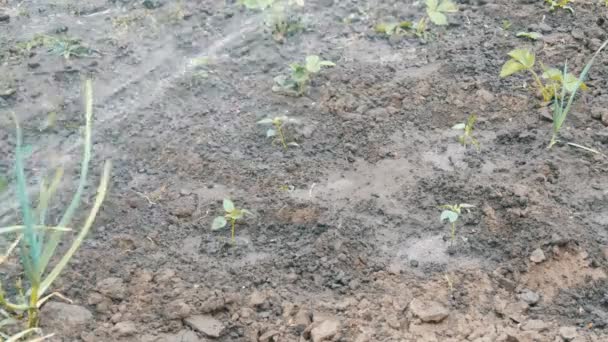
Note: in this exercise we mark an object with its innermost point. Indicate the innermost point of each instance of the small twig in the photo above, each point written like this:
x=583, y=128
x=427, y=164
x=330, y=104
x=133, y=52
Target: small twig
x=144, y=196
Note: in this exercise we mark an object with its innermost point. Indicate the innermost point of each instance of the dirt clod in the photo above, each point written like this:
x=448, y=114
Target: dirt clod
x=205, y=324
x=537, y=256
x=65, y=316
x=325, y=330
x=568, y=333
x=428, y=310
x=112, y=287
x=124, y=329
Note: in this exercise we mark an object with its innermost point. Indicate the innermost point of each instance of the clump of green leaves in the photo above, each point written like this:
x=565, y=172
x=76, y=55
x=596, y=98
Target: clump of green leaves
x=277, y=129
x=403, y=28
x=452, y=213
x=467, y=137
x=232, y=214
x=437, y=9
x=297, y=82
x=37, y=240
x=529, y=35
x=506, y=24
x=63, y=46
x=281, y=18
x=561, y=108
x=524, y=60
x=563, y=4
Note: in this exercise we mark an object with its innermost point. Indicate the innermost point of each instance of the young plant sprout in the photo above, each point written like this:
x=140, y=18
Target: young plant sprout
x=563, y=4
x=529, y=35
x=561, y=108
x=436, y=10
x=467, y=137
x=524, y=60
x=232, y=215
x=277, y=130
x=280, y=18
x=451, y=213
x=418, y=28
x=39, y=241
x=300, y=77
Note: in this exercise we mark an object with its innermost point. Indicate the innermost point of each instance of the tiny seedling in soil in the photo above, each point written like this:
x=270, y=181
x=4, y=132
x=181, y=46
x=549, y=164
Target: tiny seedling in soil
x=560, y=107
x=529, y=35
x=451, y=213
x=297, y=83
x=281, y=16
x=437, y=9
x=523, y=59
x=403, y=28
x=506, y=24
x=467, y=137
x=232, y=215
x=563, y=4
x=277, y=131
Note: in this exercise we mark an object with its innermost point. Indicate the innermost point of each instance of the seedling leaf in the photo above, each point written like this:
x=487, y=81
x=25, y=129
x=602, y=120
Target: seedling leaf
x=448, y=215
x=523, y=56
x=228, y=205
x=511, y=67
x=459, y=126
x=529, y=35
x=271, y=133
x=218, y=223
x=266, y=121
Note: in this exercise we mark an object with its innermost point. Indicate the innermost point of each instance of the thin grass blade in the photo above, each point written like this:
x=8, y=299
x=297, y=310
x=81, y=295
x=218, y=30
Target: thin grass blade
x=101, y=193
x=54, y=238
x=30, y=249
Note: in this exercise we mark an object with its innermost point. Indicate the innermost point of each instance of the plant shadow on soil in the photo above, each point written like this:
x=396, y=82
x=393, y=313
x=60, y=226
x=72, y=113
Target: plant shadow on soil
x=357, y=236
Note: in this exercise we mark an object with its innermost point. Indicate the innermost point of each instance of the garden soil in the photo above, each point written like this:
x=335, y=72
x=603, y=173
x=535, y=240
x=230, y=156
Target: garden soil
x=345, y=243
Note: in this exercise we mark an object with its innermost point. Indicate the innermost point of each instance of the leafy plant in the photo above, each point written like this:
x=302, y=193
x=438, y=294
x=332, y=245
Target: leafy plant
x=529, y=35
x=277, y=130
x=404, y=27
x=524, y=60
x=467, y=137
x=563, y=4
x=39, y=242
x=561, y=108
x=451, y=213
x=232, y=215
x=280, y=17
x=301, y=74
x=437, y=9
x=506, y=24
x=70, y=48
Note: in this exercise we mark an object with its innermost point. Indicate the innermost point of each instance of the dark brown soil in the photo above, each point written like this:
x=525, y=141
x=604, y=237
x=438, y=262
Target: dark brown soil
x=346, y=226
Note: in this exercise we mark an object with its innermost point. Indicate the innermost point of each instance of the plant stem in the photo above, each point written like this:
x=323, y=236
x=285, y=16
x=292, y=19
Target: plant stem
x=453, y=232
x=281, y=135
x=32, y=311
x=541, y=87
x=232, y=222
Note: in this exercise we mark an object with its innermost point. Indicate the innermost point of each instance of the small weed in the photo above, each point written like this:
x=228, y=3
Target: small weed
x=560, y=107
x=277, y=131
x=66, y=47
x=281, y=17
x=529, y=35
x=297, y=83
x=556, y=4
x=524, y=60
x=467, y=137
x=419, y=28
x=506, y=24
x=232, y=215
x=451, y=213
x=437, y=9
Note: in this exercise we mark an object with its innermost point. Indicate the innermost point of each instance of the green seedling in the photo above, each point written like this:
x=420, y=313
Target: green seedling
x=394, y=28
x=297, y=83
x=232, y=215
x=437, y=9
x=38, y=246
x=561, y=108
x=467, y=137
x=452, y=213
x=524, y=60
x=280, y=17
x=70, y=48
x=563, y=4
x=529, y=35
x=506, y=24
x=277, y=131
